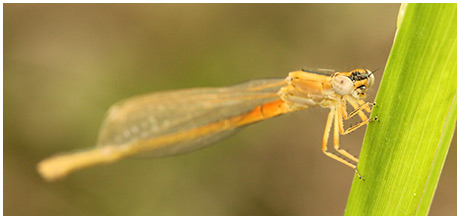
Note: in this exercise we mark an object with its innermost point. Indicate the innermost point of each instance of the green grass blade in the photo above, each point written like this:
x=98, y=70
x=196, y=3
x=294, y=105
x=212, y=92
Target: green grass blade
x=438, y=161
x=404, y=152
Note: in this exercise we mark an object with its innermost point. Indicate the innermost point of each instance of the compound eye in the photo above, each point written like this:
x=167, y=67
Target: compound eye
x=370, y=81
x=342, y=85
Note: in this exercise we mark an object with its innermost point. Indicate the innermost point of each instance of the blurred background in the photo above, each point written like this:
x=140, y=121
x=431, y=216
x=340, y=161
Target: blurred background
x=66, y=64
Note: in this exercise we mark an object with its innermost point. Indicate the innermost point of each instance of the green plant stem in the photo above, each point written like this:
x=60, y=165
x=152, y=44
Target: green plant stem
x=404, y=152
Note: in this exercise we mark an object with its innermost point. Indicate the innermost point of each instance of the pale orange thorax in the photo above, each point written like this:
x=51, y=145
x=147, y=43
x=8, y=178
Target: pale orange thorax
x=305, y=89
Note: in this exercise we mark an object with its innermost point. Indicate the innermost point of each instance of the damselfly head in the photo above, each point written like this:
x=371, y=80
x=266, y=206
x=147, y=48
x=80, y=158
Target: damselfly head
x=355, y=83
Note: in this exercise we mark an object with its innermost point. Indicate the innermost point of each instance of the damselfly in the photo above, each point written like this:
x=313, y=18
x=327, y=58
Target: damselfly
x=174, y=122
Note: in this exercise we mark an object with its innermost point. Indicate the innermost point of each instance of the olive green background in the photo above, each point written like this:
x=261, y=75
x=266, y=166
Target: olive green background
x=65, y=64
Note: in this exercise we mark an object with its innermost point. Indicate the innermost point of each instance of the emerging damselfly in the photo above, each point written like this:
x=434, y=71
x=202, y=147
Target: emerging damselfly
x=173, y=122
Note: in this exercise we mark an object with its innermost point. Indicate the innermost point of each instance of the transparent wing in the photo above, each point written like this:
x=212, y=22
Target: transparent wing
x=174, y=122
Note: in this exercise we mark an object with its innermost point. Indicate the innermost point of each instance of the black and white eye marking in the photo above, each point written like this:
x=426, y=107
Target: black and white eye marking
x=358, y=76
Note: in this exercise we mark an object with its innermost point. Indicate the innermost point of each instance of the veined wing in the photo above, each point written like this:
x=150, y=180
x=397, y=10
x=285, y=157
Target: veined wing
x=174, y=122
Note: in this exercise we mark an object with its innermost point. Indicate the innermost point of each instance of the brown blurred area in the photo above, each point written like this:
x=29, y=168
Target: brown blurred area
x=65, y=64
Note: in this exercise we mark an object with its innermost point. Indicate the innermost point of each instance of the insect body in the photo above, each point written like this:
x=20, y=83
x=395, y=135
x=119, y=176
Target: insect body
x=168, y=123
